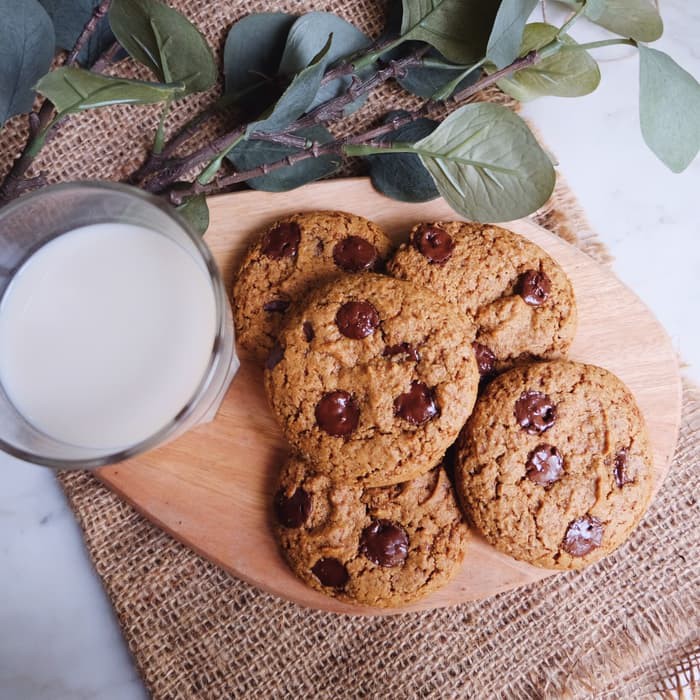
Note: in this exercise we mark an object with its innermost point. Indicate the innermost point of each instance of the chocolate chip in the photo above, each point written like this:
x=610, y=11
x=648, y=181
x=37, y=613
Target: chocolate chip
x=620, y=469
x=583, y=536
x=402, y=349
x=434, y=243
x=282, y=241
x=277, y=305
x=417, y=405
x=544, y=465
x=534, y=287
x=337, y=413
x=293, y=511
x=330, y=572
x=355, y=254
x=385, y=543
x=357, y=319
x=535, y=412
x=485, y=359
x=275, y=356
x=308, y=331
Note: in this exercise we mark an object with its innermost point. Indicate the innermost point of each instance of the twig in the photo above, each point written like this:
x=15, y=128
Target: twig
x=524, y=62
x=174, y=169
x=99, y=12
x=106, y=59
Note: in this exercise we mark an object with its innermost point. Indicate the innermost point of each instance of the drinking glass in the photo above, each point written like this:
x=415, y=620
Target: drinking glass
x=38, y=218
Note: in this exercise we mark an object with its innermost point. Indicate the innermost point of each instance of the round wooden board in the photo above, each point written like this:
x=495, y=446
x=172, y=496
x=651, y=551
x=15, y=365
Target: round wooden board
x=212, y=488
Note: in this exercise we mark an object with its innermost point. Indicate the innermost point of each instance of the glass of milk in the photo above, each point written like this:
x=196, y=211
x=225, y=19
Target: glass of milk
x=115, y=328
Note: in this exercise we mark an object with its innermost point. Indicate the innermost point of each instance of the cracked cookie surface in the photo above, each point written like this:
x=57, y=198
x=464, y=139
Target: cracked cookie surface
x=373, y=378
x=292, y=256
x=521, y=300
x=382, y=546
x=554, y=466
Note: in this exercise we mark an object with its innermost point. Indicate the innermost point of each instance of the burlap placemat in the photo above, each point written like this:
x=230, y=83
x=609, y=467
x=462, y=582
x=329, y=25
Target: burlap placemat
x=626, y=627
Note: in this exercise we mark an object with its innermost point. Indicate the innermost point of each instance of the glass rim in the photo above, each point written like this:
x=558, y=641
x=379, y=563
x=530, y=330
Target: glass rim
x=220, y=300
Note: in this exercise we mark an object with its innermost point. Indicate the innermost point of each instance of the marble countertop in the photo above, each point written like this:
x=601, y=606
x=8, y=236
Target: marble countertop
x=60, y=639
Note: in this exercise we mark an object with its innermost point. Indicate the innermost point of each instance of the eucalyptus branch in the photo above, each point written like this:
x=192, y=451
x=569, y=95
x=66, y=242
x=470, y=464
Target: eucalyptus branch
x=42, y=124
x=330, y=110
x=99, y=12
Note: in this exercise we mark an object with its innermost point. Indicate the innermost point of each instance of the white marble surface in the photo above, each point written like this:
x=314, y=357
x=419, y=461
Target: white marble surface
x=58, y=637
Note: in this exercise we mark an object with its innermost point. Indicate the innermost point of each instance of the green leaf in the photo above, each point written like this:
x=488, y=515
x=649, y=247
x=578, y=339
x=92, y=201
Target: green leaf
x=402, y=176
x=637, y=19
x=297, y=98
x=669, y=109
x=507, y=33
x=69, y=19
x=76, y=90
x=253, y=50
x=26, y=50
x=570, y=72
x=306, y=39
x=487, y=164
x=458, y=29
x=196, y=212
x=251, y=154
x=165, y=41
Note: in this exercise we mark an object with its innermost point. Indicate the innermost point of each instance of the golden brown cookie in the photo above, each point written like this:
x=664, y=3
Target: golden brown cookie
x=292, y=256
x=373, y=378
x=382, y=546
x=521, y=300
x=554, y=466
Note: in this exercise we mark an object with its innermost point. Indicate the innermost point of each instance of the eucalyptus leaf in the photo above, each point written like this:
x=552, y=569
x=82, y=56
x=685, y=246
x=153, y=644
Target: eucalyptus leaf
x=77, y=90
x=507, y=33
x=487, y=164
x=637, y=19
x=297, y=98
x=196, y=212
x=458, y=29
x=165, y=41
x=253, y=52
x=69, y=19
x=570, y=72
x=402, y=176
x=669, y=109
x=251, y=154
x=305, y=40
x=26, y=50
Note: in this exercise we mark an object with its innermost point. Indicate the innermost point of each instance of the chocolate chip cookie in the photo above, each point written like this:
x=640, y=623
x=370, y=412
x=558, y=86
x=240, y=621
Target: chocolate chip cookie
x=521, y=300
x=292, y=256
x=382, y=546
x=373, y=378
x=554, y=466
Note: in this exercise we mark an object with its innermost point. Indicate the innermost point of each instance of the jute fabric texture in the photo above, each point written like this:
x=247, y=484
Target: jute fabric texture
x=627, y=627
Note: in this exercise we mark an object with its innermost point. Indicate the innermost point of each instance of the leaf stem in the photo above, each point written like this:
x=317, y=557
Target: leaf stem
x=571, y=21
x=446, y=90
x=599, y=44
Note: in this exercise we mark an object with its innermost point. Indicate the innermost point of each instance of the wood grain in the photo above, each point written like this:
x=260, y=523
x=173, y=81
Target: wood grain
x=212, y=488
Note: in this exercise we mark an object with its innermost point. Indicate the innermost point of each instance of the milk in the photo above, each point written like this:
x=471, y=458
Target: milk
x=105, y=334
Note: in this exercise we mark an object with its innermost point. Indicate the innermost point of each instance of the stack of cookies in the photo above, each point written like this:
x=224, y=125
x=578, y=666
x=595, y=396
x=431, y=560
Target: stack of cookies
x=373, y=377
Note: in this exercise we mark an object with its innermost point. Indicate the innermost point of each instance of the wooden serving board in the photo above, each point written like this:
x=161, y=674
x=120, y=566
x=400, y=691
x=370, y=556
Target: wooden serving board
x=212, y=488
